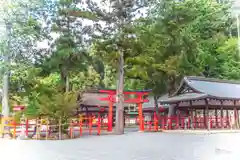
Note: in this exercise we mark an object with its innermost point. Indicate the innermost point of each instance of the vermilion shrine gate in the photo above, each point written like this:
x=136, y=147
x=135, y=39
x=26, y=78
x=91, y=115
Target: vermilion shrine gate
x=138, y=97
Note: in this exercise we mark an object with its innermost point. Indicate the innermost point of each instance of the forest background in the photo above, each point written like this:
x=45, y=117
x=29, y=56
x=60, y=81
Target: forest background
x=60, y=48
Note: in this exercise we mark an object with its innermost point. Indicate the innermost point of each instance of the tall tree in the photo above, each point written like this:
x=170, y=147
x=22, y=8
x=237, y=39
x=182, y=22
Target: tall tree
x=174, y=38
x=114, y=35
x=68, y=49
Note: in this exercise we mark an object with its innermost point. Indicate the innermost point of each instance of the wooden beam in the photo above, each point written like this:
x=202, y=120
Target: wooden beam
x=130, y=100
x=145, y=92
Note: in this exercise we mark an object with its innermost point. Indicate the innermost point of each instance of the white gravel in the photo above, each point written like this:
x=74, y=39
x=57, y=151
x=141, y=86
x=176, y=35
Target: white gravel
x=131, y=146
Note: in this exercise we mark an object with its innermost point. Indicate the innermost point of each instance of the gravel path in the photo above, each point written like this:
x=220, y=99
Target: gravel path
x=131, y=146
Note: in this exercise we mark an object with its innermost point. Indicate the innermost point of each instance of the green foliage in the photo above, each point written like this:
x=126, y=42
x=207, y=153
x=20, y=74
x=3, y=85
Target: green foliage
x=229, y=56
x=86, y=79
x=59, y=105
x=174, y=39
x=67, y=52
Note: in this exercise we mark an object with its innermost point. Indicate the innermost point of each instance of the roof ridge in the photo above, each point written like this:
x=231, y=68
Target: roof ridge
x=201, y=78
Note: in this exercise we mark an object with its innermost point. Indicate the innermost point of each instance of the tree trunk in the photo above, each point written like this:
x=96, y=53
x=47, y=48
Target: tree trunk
x=60, y=129
x=171, y=84
x=67, y=84
x=157, y=108
x=120, y=96
x=64, y=78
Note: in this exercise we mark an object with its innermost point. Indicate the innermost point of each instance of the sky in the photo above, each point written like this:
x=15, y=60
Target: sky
x=236, y=6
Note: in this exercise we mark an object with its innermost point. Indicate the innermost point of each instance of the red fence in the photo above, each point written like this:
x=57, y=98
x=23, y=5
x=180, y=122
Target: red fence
x=80, y=127
x=196, y=122
x=96, y=125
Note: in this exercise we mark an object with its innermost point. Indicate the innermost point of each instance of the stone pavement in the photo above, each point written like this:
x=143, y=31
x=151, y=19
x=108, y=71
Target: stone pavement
x=130, y=146
x=203, y=131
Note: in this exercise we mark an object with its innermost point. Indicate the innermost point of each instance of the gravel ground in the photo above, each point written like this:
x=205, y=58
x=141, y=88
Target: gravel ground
x=130, y=146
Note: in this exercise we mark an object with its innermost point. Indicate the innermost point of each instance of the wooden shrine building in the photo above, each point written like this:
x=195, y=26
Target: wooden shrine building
x=216, y=101
x=104, y=101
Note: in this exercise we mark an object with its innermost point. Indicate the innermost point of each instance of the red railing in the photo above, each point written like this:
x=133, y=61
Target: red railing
x=84, y=126
x=195, y=122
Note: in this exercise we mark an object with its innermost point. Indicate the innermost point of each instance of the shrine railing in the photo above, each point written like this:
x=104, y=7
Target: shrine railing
x=74, y=128
x=195, y=122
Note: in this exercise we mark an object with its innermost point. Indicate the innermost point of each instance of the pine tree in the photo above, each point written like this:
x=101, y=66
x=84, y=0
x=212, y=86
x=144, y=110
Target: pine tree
x=114, y=37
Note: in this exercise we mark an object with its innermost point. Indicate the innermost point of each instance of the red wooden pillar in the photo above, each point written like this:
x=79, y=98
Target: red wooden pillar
x=14, y=129
x=110, y=116
x=140, y=114
x=189, y=122
x=235, y=117
x=80, y=126
x=228, y=121
x=216, y=118
x=211, y=122
x=26, y=128
x=139, y=100
x=90, y=124
x=221, y=121
x=155, y=119
x=99, y=124
x=182, y=122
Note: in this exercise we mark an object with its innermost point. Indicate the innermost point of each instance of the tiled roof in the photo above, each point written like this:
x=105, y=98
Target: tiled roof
x=205, y=88
x=216, y=88
x=184, y=97
x=93, y=99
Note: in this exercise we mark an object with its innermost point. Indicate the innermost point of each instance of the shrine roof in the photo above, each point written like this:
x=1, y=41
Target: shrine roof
x=93, y=99
x=129, y=91
x=184, y=97
x=202, y=87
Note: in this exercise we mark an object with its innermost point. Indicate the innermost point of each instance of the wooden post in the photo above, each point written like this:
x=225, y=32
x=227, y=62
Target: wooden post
x=155, y=119
x=99, y=124
x=120, y=95
x=27, y=126
x=204, y=116
x=47, y=129
x=90, y=125
x=80, y=126
x=189, y=124
x=110, y=116
x=238, y=118
x=191, y=114
x=71, y=129
x=163, y=122
x=14, y=129
x=216, y=118
x=192, y=118
x=195, y=118
x=221, y=114
x=140, y=115
x=207, y=116
x=60, y=128
x=235, y=115
x=228, y=121
x=177, y=119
